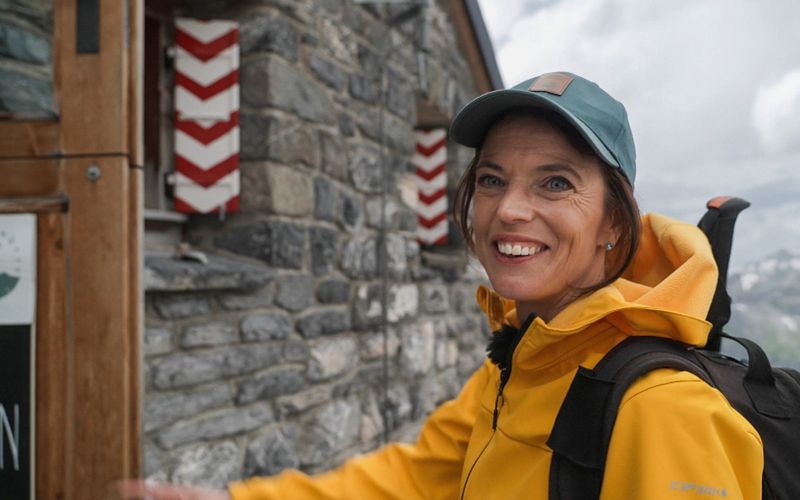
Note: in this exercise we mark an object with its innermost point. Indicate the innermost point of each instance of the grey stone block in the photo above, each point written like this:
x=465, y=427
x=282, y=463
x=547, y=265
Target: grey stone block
x=334, y=153
x=446, y=352
x=167, y=274
x=323, y=323
x=324, y=244
x=391, y=213
x=266, y=33
x=350, y=210
x=211, y=465
x=269, y=385
x=154, y=462
x=370, y=62
x=333, y=429
x=271, y=453
x=367, y=307
x=272, y=82
x=177, y=306
x=164, y=409
x=24, y=45
x=360, y=258
x=294, y=292
x=280, y=244
x=396, y=258
x=254, y=136
x=331, y=358
x=365, y=89
x=435, y=298
x=325, y=199
x=400, y=137
x=157, y=340
x=268, y=326
x=403, y=302
x=295, y=351
x=209, y=334
x=418, y=343
x=237, y=301
x=328, y=72
x=374, y=344
x=21, y=93
x=400, y=97
x=346, y=125
x=333, y=291
x=294, y=144
x=216, y=425
x=185, y=370
x=295, y=404
x=365, y=170
x=276, y=189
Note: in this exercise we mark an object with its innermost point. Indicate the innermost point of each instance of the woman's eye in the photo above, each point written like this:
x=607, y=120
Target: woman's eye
x=558, y=184
x=487, y=180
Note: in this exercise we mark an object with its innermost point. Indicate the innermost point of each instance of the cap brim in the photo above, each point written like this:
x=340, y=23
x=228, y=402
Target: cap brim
x=473, y=121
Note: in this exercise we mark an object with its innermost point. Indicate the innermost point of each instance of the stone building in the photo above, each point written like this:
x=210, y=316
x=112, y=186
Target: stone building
x=310, y=325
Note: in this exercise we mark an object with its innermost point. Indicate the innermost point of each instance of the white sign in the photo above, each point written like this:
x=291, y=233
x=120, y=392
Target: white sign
x=17, y=269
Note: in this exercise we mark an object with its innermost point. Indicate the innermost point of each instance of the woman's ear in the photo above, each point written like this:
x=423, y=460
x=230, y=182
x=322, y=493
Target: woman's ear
x=610, y=233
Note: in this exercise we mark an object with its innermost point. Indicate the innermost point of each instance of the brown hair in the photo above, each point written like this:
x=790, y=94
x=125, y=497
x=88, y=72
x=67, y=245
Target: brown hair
x=619, y=203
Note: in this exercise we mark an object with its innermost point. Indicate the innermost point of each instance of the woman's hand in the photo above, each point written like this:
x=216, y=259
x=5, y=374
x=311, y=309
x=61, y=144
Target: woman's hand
x=146, y=490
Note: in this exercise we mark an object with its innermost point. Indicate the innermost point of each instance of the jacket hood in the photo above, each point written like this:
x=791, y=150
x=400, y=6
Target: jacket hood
x=666, y=291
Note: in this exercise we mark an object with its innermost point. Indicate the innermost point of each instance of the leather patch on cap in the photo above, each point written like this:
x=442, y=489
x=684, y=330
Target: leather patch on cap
x=552, y=83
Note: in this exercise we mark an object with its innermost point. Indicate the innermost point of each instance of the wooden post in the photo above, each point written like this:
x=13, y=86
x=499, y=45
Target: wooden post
x=82, y=175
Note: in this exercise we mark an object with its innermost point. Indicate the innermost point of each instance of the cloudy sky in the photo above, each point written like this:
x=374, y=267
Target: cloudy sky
x=712, y=89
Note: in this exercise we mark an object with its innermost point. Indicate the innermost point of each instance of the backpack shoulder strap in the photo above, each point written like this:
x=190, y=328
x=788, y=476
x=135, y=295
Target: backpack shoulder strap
x=582, y=429
x=717, y=224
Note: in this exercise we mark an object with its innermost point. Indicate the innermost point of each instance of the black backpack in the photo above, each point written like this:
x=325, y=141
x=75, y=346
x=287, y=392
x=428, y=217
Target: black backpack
x=769, y=398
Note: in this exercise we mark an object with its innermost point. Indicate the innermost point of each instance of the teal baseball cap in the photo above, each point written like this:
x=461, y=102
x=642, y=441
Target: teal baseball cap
x=598, y=117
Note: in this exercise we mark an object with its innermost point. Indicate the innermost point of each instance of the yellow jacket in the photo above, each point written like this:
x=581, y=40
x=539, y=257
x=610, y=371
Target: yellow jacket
x=675, y=436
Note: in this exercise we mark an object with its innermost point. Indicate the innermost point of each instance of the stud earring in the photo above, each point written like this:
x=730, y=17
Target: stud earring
x=609, y=246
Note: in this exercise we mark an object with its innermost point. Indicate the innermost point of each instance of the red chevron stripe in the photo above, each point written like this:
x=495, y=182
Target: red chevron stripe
x=207, y=135
x=440, y=241
x=206, y=177
x=205, y=51
x=429, y=223
x=427, y=151
x=204, y=92
x=433, y=173
x=231, y=205
x=430, y=198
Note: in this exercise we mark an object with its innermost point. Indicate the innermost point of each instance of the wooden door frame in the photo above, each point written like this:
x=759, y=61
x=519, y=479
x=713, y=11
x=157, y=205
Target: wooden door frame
x=89, y=258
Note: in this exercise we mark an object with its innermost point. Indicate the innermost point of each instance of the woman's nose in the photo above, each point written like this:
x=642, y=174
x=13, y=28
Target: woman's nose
x=515, y=206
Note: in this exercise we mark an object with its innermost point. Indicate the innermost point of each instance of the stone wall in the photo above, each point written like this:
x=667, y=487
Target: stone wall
x=26, y=62
x=312, y=334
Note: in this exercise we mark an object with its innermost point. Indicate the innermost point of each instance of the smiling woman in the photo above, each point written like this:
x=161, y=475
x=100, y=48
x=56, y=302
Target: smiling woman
x=547, y=207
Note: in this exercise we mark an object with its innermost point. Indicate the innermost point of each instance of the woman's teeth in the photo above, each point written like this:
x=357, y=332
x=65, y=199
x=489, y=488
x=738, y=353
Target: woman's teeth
x=517, y=249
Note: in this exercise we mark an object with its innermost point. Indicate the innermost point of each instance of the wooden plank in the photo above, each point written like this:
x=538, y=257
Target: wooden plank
x=136, y=230
x=136, y=322
x=52, y=355
x=29, y=139
x=469, y=45
x=21, y=205
x=29, y=177
x=94, y=87
x=136, y=83
x=99, y=297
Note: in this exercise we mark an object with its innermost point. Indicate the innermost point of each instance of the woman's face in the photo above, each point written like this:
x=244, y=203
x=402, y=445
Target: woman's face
x=539, y=220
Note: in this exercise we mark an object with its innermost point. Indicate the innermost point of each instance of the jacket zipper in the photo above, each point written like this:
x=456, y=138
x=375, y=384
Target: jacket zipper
x=505, y=374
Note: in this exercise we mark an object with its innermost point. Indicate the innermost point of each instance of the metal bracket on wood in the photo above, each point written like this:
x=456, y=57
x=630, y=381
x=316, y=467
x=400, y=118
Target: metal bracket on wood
x=87, y=35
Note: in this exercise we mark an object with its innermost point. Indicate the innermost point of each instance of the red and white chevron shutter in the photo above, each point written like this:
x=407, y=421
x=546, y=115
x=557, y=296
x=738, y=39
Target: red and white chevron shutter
x=430, y=161
x=206, y=116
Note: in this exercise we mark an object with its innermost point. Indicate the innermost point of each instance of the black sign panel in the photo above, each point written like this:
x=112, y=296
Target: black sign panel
x=16, y=422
